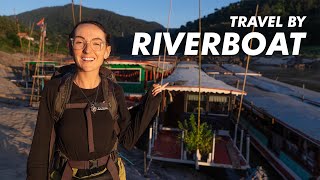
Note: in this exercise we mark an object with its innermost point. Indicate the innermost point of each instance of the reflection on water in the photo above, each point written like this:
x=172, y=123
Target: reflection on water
x=309, y=77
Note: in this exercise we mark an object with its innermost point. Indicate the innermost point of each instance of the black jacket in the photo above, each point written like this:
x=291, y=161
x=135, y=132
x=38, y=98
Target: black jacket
x=71, y=130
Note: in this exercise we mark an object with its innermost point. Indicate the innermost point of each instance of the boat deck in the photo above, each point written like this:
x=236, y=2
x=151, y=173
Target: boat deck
x=168, y=146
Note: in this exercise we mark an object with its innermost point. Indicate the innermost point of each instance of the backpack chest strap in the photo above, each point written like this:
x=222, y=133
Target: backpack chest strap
x=100, y=106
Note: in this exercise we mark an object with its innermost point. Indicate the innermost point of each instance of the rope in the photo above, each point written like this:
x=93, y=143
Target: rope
x=125, y=158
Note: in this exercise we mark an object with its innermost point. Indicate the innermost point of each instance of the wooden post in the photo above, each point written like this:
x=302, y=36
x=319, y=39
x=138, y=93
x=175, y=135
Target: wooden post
x=147, y=73
x=151, y=74
x=207, y=102
x=146, y=80
x=36, y=71
x=185, y=102
x=154, y=75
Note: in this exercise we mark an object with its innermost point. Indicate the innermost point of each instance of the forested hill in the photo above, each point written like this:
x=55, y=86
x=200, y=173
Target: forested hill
x=122, y=28
x=60, y=22
x=219, y=21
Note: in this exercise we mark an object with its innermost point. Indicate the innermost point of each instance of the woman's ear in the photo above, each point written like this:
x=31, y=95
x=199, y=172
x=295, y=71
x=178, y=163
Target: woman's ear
x=107, y=53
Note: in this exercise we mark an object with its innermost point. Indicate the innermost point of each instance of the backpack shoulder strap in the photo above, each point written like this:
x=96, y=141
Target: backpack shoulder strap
x=110, y=99
x=63, y=96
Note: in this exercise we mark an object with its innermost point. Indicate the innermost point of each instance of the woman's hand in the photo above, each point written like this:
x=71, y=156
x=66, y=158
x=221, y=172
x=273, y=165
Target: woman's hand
x=157, y=88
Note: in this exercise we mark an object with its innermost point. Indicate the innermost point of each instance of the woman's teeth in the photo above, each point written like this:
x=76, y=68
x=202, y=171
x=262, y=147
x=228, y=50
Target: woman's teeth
x=88, y=59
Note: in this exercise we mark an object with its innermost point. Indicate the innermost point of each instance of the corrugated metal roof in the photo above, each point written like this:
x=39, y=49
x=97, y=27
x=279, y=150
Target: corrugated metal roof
x=185, y=78
x=296, y=108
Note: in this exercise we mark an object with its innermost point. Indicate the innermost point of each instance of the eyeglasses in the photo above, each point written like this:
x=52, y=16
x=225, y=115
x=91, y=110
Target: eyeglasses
x=80, y=43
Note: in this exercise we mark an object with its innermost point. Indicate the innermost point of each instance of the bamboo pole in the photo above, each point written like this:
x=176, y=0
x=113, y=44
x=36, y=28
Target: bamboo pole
x=72, y=8
x=244, y=81
x=36, y=68
x=199, y=95
x=165, y=47
x=42, y=63
x=80, y=12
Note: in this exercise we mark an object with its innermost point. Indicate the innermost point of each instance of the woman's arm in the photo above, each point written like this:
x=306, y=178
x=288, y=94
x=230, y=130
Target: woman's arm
x=133, y=127
x=38, y=160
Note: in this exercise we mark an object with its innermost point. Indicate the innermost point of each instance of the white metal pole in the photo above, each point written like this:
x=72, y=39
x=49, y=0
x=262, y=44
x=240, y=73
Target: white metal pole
x=150, y=140
x=248, y=149
x=197, y=159
x=156, y=128
x=213, y=146
x=235, y=135
x=241, y=141
x=153, y=133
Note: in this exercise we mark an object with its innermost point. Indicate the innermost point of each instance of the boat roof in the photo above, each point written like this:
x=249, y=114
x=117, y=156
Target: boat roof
x=296, y=108
x=162, y=65
x=185, y=78
x=238, y=70
x=298, y=116
x=214, y=69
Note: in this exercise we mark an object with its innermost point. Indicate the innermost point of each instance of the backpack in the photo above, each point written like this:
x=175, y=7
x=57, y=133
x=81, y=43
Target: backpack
x=66, y=74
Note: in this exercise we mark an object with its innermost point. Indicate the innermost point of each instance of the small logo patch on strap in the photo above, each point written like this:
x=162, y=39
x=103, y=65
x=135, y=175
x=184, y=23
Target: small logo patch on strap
x=101, y=106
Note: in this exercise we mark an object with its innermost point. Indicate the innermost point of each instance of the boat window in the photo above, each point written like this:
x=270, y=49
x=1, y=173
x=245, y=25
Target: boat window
x=218, y=104
x=192, y=105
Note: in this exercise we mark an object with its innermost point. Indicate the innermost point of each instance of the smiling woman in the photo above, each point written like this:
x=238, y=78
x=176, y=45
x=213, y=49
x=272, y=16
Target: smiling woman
x=83, y=115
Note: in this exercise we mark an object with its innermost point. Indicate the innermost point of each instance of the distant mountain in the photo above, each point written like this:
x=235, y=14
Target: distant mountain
x=60, y=22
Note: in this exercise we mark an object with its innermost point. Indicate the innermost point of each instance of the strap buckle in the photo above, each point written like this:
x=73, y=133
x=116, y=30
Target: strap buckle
x=114, y=155
x=93, y=164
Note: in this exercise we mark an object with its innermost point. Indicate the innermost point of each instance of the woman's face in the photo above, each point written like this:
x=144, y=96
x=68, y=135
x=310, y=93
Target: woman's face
x=89, y=47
